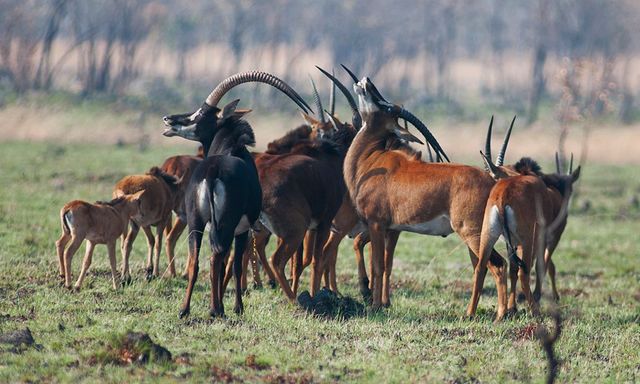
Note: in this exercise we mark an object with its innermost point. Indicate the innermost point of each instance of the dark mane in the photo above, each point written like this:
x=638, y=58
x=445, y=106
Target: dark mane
x=289, y=140
x=344, y=137
x=394, y=143
x=167, y=178
x=112, y=202
x=233, y=134
x=528, y=166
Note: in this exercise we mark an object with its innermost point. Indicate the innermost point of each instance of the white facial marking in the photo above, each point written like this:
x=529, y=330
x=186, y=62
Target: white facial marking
x=195, y=114
x=440, y=226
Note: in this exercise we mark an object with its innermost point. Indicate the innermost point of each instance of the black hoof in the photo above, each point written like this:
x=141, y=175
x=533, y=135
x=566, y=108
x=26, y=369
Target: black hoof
x=386, y=305
x=272, y=284
x=217, y=315
x=257, y=286
x=150, y=276
x=366, y=294
x=238, y=309
x=536, y=296
x=511, y=312
x=126, y=281
x=184, y=313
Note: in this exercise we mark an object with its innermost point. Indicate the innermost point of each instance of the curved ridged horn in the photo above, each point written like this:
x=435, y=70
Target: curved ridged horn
x=332, y=96
x=487, y=144
x=408, y=116
x=353, y=77
x=503, y=150
x=316, y=99
x=255, y=76
x=558, y=171
x=356, y=119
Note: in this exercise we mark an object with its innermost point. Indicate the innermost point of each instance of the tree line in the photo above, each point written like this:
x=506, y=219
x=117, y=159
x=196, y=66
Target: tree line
x=102, y=42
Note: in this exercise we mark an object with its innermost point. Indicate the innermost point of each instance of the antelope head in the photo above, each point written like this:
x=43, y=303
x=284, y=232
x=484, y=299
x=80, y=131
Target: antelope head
x=379, y=114
x=203, y=124
x=563, y=182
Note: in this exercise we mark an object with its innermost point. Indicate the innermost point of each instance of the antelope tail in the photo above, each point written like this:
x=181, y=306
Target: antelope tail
x=511, y=250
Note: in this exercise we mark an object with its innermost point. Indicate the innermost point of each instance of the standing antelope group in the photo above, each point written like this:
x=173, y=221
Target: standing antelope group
x=319, y=183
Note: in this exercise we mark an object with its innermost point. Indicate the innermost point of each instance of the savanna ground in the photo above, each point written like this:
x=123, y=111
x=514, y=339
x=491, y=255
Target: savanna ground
x=422, y=337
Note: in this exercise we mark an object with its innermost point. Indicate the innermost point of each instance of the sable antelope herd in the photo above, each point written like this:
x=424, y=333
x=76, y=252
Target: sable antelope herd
x=320, y=182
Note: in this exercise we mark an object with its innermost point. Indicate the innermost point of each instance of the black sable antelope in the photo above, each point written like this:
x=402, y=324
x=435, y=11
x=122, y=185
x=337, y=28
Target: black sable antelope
x=224, y=189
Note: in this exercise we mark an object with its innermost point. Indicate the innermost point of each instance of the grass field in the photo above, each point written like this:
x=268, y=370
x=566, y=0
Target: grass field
x=422, y=337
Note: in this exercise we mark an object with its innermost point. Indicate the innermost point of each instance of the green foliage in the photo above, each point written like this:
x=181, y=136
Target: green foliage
x=421, y=338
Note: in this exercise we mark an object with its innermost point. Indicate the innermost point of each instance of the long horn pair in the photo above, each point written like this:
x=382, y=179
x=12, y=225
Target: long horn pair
x=356, y=119
x=255, y=76
x=487, y=145
x=559, y=168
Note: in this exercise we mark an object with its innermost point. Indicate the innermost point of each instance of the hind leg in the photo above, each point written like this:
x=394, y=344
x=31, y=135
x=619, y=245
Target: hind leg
x=284, y=250
x=330, y=251
x=151, y=244
x=358, y=247
x=513, y=279
x=76, y=241
x=127, y=244
x=111, y=250
x=196, y=228
x=525, y=252
x=85, y=264
x=318, y=260
x=303, y=257
x=240, y=246
x=170, y=244
x=391, y=239
x=552, y=277
x=61, y=243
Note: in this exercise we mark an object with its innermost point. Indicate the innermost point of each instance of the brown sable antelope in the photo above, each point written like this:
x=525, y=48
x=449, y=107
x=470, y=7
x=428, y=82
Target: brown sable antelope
x=347, y=221
x=163, y=194
x=181, y=167
x=512, y=212
x=393, y=192
x=302, y=191
x=297, y=140
x=224, y=190
x=99, y=223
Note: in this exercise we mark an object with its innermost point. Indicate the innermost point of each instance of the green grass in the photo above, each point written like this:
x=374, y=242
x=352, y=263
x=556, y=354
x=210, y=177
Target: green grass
x=422, y=337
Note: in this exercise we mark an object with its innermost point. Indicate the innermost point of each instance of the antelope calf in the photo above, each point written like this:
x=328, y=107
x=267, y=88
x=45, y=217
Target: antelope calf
x=512, y=211
x=163, y=194
x=98, y=223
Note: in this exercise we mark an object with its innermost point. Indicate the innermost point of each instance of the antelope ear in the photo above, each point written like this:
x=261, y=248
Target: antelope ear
x=575, y=174
x=228, y=109
x=310, y=120
x=404, y=134
x=238, y=113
